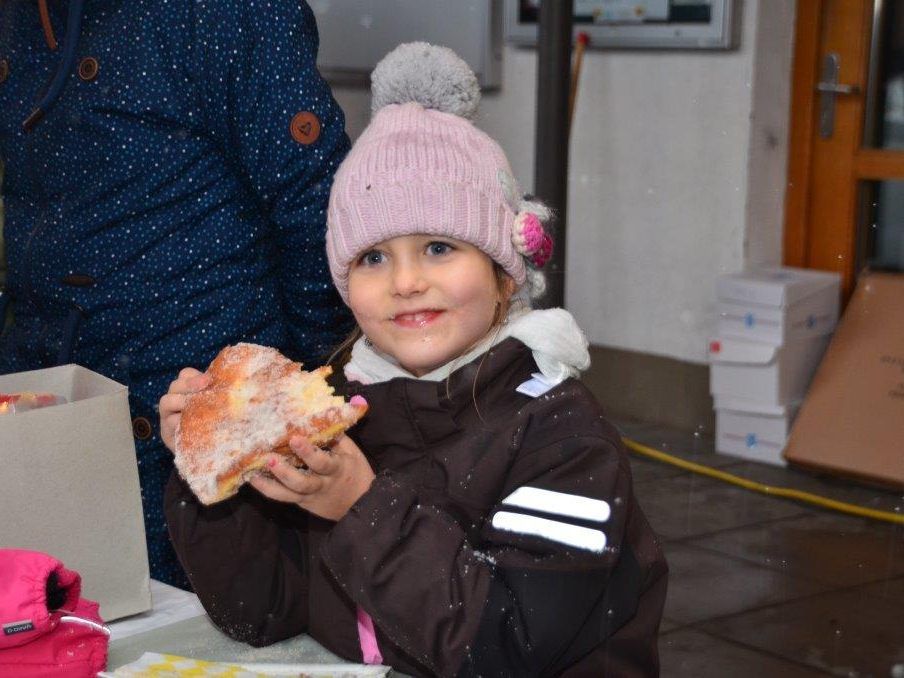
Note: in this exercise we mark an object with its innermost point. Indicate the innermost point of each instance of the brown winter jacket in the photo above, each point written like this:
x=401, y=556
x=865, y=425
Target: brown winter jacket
x=449, y=593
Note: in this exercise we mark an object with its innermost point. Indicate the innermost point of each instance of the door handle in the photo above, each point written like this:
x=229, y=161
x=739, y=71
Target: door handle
x=829, y=88
x=837, y=89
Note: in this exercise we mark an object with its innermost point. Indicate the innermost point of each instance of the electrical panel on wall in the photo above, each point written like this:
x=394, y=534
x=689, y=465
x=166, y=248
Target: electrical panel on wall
x=636, y=24
x=356, y=34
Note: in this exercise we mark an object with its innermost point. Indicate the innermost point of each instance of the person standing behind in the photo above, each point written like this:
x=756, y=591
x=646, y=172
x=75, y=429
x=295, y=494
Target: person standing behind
x=166, y=196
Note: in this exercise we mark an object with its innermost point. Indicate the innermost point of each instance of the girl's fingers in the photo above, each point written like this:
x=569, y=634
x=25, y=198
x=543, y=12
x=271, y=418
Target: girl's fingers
x=171, y=403
x=345, y=445
x=300, y=444
x=319, y=461
x=189, y=381
x=273, y=489
x=180, y=384
x=171, y=422
x=295, y=480
x=199, y=382
x=187, y=373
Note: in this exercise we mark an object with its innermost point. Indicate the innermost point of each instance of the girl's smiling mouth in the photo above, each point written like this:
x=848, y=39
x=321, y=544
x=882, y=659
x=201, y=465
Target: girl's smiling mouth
x=416, y=319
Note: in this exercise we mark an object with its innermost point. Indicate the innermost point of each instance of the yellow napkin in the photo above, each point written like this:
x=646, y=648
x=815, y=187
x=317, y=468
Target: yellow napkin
x=154, y=665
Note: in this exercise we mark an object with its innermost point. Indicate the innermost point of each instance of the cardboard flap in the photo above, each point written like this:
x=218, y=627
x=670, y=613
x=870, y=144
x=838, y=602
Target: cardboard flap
x=740, y=352
x=73, y=382
x=773, y=285
x=851, y=420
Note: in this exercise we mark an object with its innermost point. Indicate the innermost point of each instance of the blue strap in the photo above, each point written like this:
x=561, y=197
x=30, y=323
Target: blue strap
x=73, y=31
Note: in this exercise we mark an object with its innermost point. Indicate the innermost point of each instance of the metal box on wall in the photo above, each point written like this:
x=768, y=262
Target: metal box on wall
x=637, y=24
x=356, y=34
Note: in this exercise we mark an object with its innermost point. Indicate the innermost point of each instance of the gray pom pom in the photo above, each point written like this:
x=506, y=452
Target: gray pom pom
x=433, y=76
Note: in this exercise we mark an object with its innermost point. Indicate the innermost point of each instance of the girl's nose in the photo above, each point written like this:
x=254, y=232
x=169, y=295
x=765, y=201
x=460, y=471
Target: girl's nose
x=408, y=279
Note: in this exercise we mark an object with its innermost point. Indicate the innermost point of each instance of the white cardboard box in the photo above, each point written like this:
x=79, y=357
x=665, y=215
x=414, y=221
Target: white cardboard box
x=771, y=375
x=777, y=304
x=753, y=431
x=69, y=485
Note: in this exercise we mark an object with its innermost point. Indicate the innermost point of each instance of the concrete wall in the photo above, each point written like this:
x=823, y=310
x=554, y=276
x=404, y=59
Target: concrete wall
x=677, y=174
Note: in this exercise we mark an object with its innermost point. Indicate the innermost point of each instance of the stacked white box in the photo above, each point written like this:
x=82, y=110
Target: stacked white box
x=777, y=304
x=744, y=429
x=772, y=375
x=774, y=325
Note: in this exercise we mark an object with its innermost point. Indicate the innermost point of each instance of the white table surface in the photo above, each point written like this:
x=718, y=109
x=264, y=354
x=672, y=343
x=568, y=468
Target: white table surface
x=178, y=625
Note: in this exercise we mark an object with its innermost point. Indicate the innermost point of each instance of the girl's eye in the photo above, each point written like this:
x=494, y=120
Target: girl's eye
x=437, y=248
x=371, y=258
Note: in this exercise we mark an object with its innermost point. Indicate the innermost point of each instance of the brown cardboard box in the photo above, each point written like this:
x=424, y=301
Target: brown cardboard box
x=69, y=485
x=852, y=421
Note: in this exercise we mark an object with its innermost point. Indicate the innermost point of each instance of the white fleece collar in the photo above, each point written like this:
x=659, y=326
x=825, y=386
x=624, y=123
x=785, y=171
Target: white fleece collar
x=557, y=343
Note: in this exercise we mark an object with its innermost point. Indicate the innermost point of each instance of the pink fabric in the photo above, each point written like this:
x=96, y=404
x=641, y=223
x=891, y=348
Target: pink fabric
x=367, y=637
x=23, y=579
x=418, y=170
x=36, y=641
x=531, y=239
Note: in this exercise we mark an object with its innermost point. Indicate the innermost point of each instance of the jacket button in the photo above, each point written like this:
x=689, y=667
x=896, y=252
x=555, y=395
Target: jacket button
x=4, y=70
x=305, y=128
x=141, y=428
x=87, y=69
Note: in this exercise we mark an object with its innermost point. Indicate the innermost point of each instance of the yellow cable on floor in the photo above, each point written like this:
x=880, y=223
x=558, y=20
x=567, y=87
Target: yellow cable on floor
x=799, y=495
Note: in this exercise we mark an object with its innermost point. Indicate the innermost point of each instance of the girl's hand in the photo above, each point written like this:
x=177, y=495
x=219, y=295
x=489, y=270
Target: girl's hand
x=172, y=404
x=332, y=483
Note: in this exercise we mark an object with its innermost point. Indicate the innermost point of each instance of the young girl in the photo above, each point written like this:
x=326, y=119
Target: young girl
x=480, y=520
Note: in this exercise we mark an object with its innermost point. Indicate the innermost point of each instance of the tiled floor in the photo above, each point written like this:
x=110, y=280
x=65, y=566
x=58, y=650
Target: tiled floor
x=767, y=587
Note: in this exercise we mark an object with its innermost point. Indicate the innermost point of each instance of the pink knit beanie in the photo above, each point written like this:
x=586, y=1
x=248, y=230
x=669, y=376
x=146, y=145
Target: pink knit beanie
x=421, y=166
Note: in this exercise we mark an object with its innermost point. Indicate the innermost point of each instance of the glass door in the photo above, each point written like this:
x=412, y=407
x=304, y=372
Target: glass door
x=844, y=207
x=882, y=216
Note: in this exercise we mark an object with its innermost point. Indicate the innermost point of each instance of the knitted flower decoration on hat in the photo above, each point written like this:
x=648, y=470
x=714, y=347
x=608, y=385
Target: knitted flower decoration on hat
x=421, y=166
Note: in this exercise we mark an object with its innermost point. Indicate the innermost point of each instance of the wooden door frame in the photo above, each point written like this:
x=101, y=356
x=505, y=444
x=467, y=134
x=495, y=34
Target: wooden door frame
x=824, y=243
x=809, y=242
x=804, y=75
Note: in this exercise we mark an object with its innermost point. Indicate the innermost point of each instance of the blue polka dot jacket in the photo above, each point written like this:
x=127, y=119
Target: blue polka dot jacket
x=167, y=170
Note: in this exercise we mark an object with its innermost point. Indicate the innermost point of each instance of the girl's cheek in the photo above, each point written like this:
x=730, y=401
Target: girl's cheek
x=361, y=306
x=364, y=316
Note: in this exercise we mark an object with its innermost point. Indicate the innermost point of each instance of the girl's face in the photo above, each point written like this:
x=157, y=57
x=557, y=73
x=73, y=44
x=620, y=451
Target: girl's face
x=425, y=299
